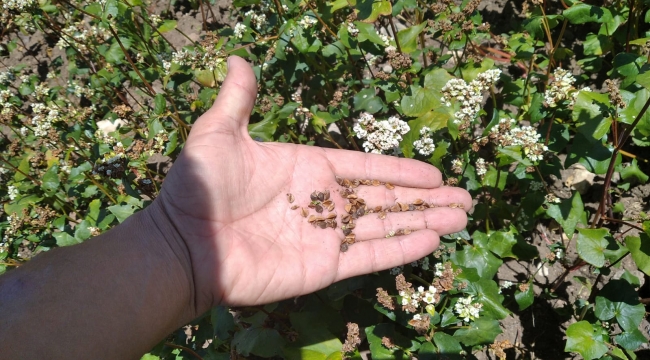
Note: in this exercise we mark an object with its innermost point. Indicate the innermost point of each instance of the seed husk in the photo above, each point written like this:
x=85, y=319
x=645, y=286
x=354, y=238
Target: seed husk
x=346, y=192
x=389, y=186
x=376, y=182
x=352, y=196
x=361, y=201
x=312, y=218
x=420, y=208
x=344, y=247
x=361, y=212
x=339, y=180
x=399, y=232
x=418, y=202
x=364, y=182
x=346, y=183
x=356, y=183
x=403, y=206
x=327, y=202
x=318, y=208
x=411, y=207
x=330, y=207
x=331, y=215
x=348, y=208
x=351, y=226
x=304, y=212
x=345, y=219
x=350, y=239
x=456, y=205
x=407, y=231
x=395, y=208
x=326, y=195
x=353, y=202
x=290, y=198
x=382, y=215
x=322, y=224
x=378, y=208
x=347, y=231
x=294, y=207
x=311, y=205
x=333, y=224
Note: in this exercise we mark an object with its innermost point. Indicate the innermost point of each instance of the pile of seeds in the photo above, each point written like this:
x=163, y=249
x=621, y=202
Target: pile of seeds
x=355, y=208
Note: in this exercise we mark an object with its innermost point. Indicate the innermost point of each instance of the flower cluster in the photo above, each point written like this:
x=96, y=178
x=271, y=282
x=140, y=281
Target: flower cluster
x=307, y=21
x=80, y=37
x=5, y=105
x=457, y=166
x=382, y=136
x=561, y=88
x=411, y=299
x=258, y=20
x=481, y=167
x=352, y=29
x=469, y=96
x=425, y=145
x=467, y=309
x=210, y=59
x=239, y=30
x=18, y=5
x=507, y=134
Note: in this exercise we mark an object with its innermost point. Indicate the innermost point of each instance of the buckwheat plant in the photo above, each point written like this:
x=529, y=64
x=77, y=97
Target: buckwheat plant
x=97, y=99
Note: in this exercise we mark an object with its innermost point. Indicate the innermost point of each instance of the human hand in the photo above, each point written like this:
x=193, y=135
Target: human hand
x=226, y=196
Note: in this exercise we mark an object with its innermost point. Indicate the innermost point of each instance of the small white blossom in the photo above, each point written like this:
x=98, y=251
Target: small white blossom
x=382, y=136
x=352, y=29
x=439, y=268
x=240, y=30
x=469, y=96
x=12, y=192
x=425, y=145
x=307, y=21
x=481, y=166
x=468, y=310
x=551, y=198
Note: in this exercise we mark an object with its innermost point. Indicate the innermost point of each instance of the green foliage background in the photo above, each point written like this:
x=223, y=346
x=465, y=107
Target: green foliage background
x=320, y=65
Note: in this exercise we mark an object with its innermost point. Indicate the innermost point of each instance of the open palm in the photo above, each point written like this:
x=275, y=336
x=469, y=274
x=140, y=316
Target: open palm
x=227, y=197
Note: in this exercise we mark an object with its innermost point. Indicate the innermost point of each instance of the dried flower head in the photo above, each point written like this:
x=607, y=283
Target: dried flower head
x=352, y=339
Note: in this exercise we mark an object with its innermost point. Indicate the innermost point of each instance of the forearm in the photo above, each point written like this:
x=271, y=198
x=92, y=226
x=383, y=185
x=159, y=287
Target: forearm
x=113, y=297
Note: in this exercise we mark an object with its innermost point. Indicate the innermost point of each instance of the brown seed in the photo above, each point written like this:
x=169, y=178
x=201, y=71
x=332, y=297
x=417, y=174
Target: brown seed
x=420, y=208
x=326, y=195
x=311, y=205
x=418, y=202
x=333, y=224
x=361, y=201
x=411, y=207
x=304, y=212
x=395, y=208
x=353, y=202
x=339, y=180
x=294, y=207
x=321, y=196
x=376, y=182
x=364, y=182
x=347, y=231
x=318, y=208
x=322, y=224
x=312, y=218
x=320, y=218
x=351, y=226
x=361, y=212
x=407, y=231
x=346, y=192
x=456, y=205
x=352, y=196
x=403, y=207
x=345, y=219
x=378, y=208
x=356, y=183
x=331, y=215
x=350, y=239
x=314, y=196
x=327, y=202
x=330, y=207
x=389, y=186
x=346, y=183
x=382, y=215
x=344, y=247
x=399, y=232
x=348, y=208
x=290, y=198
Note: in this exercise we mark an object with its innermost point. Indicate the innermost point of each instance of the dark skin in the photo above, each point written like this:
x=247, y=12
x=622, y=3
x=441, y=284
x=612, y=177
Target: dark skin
x=221, y=233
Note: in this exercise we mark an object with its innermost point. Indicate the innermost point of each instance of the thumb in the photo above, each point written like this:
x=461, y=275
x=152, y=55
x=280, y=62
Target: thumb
x=232, y=109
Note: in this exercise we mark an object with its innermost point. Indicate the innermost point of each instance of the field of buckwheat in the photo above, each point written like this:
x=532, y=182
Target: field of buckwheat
x=538, y=108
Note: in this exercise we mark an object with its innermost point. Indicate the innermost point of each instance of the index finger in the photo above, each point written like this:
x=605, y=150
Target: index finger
x=397, y=171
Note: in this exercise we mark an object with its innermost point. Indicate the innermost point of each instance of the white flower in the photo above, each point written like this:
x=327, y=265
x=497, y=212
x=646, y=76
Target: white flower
x=382, y=136
x=12, y=192
x=469, y=96
x=481, y=167
x=239, y=30
x=439, y=268
x=307, y=21
x=467, y=310
x=425, y=145
x=551, y=198
x=352, y=29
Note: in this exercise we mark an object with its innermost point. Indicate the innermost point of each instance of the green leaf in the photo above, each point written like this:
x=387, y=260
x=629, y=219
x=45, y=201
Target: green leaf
x=222, y=322
x=421, y=101
x=258, y=341
x=366, y=100
x=481, y=331
x=631, y=340
x=368, y=32
x=486, y=292
x=581, y=339
x=377, y=349
x=122, y=212
x=370, y=10
x=568, y=213
x=581, y=13
x=263, y=130
x=591, y=245
x=501, y=242
x=167, y=25
x=525, y=298
x=591, y=114
x=314, y=339
x=160, y=104
x=51, y=181
x=65, y=239
x=448, y=346
x=408, y=38
x=619, y=299
x=24, y=167
x=477, y=258
x=632, y=171
x=640, y=249
x=594, y=156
